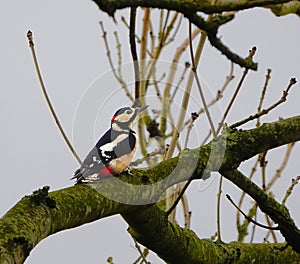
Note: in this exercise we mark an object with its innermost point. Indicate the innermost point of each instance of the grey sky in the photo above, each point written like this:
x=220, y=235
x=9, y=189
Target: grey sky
x=72, y=55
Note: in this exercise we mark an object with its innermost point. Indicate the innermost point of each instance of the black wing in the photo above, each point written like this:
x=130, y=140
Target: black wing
x=121, y=148
x=98, y=158
x=93, y=163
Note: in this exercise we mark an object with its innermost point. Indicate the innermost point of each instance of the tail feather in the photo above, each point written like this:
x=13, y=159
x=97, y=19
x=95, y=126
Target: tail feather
x=77, y=175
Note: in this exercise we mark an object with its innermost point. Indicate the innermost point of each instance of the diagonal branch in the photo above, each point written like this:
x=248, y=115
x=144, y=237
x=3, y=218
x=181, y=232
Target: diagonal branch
x=37, y=216
x=150, y=226
x=277, y=212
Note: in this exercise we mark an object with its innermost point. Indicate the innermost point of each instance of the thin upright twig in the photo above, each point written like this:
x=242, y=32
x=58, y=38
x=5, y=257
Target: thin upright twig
x=263, y=165
x=108, y=54
x=65, y=137
x=172, y=73
x=263, y=94
x=219, y=208
x=172, y=38
x=186, y=212
x=270, y=230
x=193, y=118
x=118, y=46
x=187, y=66
x=220, y=92
x=290, y=190
x=253, y=170
x=180, y=120
x=194, y=69
x=169, y=211
x=134, y=54
x=246, y=70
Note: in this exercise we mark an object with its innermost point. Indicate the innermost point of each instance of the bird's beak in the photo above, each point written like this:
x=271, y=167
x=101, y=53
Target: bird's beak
x=141, y=109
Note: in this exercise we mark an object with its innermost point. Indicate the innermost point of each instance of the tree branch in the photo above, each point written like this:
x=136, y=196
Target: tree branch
x=37, y=216
x=150, y=226
x=278, y=213
x=205, y=6
x=189, y=10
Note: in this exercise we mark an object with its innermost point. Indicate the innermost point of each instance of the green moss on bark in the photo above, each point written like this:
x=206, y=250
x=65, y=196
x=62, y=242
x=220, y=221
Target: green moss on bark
x=33, y=218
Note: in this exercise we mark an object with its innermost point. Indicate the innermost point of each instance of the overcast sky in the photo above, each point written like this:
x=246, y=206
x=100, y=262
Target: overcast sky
x=73, y=60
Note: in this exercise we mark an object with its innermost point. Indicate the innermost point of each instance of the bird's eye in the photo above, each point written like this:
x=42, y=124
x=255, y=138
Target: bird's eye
x=128, y=112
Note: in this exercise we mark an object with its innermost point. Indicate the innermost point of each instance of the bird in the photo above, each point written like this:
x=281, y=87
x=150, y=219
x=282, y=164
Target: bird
x=114, y=151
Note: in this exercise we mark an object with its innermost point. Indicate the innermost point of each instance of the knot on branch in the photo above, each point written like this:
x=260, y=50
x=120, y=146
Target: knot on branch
x=40, y=196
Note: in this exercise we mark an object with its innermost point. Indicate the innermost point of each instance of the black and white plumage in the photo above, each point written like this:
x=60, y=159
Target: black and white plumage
x=114, y=151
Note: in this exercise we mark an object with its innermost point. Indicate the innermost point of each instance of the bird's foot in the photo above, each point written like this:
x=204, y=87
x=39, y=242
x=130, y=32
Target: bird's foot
x=129, y=171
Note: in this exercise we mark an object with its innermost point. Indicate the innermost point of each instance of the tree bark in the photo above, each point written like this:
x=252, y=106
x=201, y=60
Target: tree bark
x=41, y=214
x=191, y=9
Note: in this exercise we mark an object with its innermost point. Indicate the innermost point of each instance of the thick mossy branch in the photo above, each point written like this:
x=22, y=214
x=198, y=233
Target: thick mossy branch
x=42, y=214
x=277, y=212
x=33, y=219
x=190, y=8
x=205, y=6
x=292, y=7
x=149, y=226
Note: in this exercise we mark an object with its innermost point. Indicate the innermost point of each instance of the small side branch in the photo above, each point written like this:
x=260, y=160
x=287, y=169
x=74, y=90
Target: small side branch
x=66, y=139
x=283, y=98
x=249, y=218
x=134, y=52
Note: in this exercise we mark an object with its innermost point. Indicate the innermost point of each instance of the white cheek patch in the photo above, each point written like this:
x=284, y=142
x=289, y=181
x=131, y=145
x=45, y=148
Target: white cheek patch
x=124, y=118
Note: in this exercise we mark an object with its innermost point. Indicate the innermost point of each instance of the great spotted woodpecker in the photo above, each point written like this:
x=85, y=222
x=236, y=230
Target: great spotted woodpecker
x=115, y=149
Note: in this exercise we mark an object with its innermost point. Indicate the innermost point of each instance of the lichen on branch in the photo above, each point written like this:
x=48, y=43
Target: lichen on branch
x=34, y=218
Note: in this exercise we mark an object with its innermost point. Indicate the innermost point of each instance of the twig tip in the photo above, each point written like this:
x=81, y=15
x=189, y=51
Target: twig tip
x=293, y=80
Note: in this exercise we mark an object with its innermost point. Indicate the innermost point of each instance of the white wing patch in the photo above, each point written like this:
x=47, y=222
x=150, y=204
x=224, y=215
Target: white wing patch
x=109, y=147
x=91, y=178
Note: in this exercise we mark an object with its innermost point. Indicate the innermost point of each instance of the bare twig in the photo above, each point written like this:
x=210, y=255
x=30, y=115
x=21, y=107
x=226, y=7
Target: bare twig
x=119, y=78
x=66, y=139
x=138, y=40
x=139, y=249
x=268, y=77
x=147, y=157
x=270, y=230
x=267, y=110
x=290, y=190
x=186, y=212
x=249, y=218
x=180, y=120
x=246, y=70
x=143, y=52
x=193, y=118
x=137, y=93
x=170, y=80
x=219, y=208
x=169, y=211
x=118, y=46
x=220, y=92
x=187, y=66
x=263, y=164
x=185, y=99
x=194, y=69
x=243, y=193
x=253, y=226
x=172, y=38
x=139, y=259
x=282, y=166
